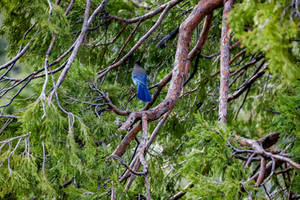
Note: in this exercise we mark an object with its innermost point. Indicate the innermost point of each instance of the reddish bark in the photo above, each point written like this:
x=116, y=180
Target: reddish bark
x=270, y=159
x=262, y=171
x=260, y=148
x=204, y=34
x=225, y=59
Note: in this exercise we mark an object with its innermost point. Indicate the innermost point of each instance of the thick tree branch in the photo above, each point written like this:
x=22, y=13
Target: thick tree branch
x=199, y=46
x=225, y=59
x=259, y=147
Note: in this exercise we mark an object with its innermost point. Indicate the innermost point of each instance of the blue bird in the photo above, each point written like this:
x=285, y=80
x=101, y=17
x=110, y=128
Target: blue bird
x=139, y=78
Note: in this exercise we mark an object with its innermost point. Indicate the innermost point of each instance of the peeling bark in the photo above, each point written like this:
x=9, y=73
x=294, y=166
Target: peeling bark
x=225, y=59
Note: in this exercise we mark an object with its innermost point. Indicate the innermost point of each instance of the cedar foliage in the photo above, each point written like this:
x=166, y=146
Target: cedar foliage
x=191, y=148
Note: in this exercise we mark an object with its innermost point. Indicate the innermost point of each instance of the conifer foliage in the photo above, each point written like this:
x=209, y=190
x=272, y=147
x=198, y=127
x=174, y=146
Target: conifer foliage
x=223, y=122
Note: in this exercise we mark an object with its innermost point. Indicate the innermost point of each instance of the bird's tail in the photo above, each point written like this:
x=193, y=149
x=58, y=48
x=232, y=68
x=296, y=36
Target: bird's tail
x=143, y=93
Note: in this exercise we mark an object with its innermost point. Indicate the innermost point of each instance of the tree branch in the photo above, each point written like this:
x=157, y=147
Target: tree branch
x=225, y=59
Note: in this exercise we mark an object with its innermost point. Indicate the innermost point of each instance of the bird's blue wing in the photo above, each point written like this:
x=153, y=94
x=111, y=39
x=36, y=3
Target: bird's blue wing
x=141, y=79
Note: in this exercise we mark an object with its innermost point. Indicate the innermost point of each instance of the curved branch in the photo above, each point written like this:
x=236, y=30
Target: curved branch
x=17, y=57
x=148, y=15
x=137, y=5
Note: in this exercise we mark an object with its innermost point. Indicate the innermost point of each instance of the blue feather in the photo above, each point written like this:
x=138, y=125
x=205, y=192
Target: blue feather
x=143, y=93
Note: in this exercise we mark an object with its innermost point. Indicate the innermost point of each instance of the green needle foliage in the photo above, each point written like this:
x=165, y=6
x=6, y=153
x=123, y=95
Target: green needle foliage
x=66, y=153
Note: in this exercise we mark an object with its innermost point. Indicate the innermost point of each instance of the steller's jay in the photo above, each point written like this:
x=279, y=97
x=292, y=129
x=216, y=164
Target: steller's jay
x=139, y=78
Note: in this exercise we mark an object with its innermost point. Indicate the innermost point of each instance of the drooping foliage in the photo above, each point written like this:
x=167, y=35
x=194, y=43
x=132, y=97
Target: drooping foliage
x=63, y=147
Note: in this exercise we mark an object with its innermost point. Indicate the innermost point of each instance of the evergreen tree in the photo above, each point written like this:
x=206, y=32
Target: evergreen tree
x=223, y=123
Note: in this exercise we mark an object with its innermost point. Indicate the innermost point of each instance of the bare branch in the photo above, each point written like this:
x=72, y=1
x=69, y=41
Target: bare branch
x=9, y=116
x=150, y=14
x=204, y=34
x=44, y=159
x=11, y=153
x=69, y=8
x=113, y=40
x=50, y=9
x=17, y=57
x=247, y=84
x=139, y=5
x=13, y=138
x=127, y=40
x=182, y=193
x=128, y=167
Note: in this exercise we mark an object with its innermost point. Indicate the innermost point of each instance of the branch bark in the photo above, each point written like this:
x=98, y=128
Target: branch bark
x=225, y=59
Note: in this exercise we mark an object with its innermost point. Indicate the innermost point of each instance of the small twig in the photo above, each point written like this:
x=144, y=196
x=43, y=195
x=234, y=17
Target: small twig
x=247, y=84
x=250, y=159
x=8, y=158
x=243, y=102
x=272, y=171
x=217, y=54
x=137, y=164
x=113, y=194
x=9, y=116
x=50, y=9
x=69, y=7
x=128, y=167
x=147, y=184
x=163, y=42
x=157, y=128
x=127, y=40
x=181, y=193
x=44, y=159
x=115, y=38
x=13, y=138
x=283, y=171
x=10, y=120
x=137, y=5
x=28, y=79
x=266, y=191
